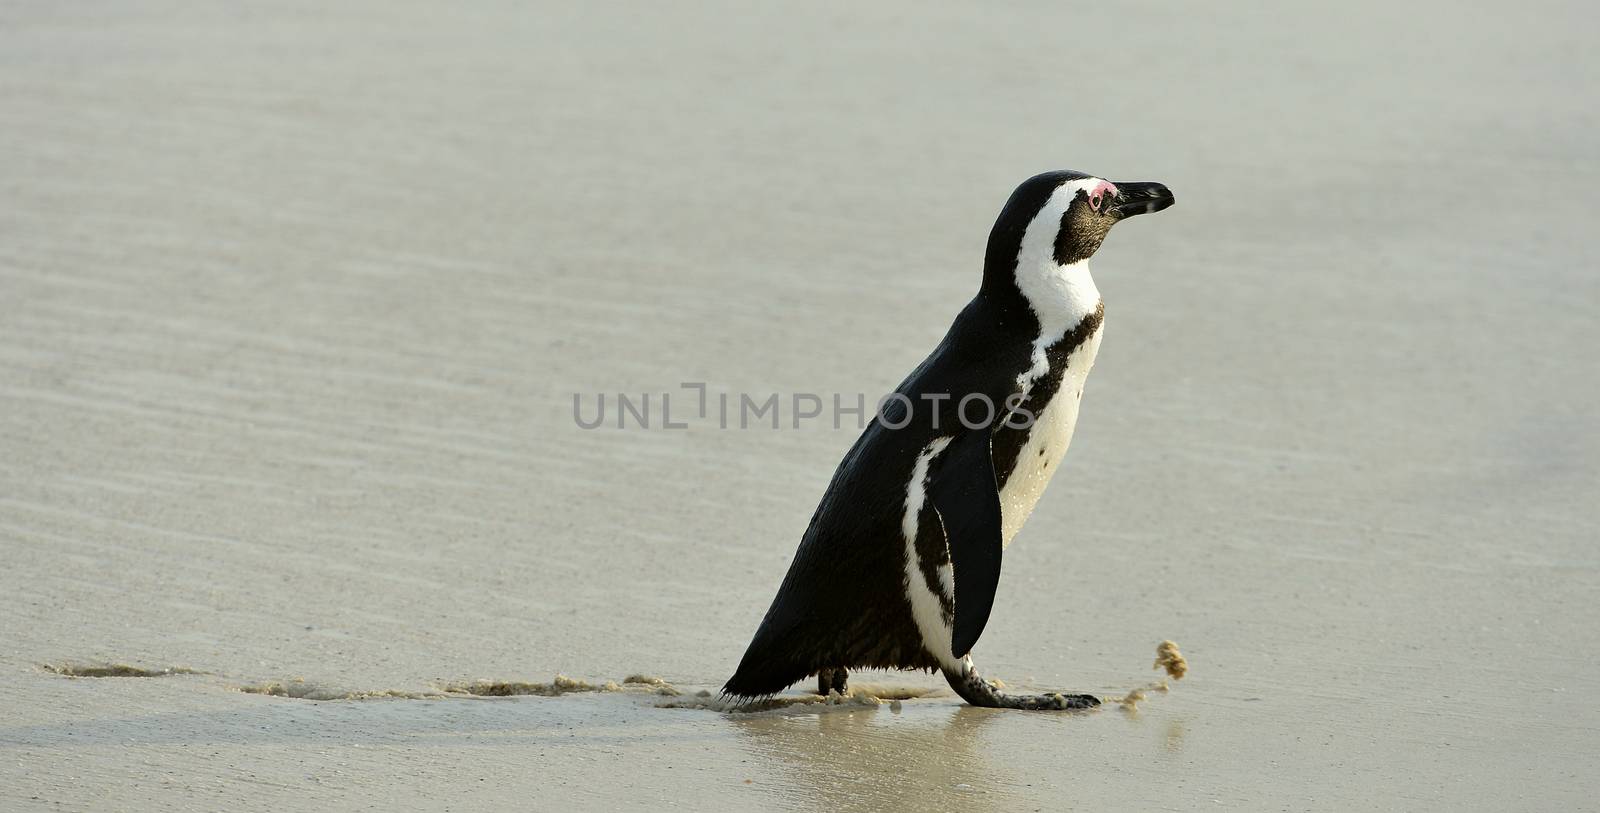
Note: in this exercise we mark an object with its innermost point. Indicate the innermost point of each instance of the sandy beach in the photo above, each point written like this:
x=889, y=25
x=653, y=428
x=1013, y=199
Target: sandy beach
x=295, y=301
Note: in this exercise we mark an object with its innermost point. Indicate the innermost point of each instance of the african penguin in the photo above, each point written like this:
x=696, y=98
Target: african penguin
x=899, y=566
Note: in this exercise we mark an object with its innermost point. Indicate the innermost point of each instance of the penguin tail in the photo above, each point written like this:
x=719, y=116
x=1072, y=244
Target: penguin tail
x=775, y=660
x=760, y=676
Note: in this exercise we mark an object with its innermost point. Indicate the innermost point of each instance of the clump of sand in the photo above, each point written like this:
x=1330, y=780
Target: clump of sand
x=1130, y=701
x=1168, y=657
x=646, y=680
x=105, y=670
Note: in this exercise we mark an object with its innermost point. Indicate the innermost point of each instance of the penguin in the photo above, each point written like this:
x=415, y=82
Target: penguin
x=899, y=565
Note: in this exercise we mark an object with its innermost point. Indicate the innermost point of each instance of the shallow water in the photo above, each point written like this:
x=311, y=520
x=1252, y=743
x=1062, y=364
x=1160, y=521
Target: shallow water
x=294, y=301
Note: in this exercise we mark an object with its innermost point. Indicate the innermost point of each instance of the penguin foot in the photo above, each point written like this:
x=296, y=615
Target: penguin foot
x=831, y=680
x=979, y=692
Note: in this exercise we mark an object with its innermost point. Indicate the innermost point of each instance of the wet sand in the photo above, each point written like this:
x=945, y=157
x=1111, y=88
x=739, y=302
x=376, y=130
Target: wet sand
x=294, y=301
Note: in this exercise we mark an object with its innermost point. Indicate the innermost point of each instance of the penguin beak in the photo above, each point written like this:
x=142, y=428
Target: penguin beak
x=1139, y=197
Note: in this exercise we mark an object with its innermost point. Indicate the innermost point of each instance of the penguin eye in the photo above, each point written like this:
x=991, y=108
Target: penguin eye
x=1101, y=191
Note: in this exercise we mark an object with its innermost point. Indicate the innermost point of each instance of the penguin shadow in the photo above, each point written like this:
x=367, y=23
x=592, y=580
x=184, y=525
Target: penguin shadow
x=841, y=758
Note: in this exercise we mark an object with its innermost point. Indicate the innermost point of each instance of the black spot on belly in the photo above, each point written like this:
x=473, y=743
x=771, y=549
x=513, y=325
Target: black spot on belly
x=1008, y=440
x=1041, y=451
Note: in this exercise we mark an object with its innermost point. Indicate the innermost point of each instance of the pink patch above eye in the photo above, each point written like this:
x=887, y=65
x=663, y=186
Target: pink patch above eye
x=1098, y=193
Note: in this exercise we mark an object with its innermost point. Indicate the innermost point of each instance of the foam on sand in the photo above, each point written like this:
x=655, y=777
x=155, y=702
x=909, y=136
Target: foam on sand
x=638, y=684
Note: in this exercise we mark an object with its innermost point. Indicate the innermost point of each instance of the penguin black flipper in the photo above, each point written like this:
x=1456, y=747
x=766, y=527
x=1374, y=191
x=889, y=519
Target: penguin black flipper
x=967, y=497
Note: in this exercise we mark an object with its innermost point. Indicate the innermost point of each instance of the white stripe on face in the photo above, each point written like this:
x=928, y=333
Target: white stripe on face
x=1059, y=295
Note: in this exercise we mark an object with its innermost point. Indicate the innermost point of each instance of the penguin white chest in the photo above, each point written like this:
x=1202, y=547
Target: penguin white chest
x=1047, y=441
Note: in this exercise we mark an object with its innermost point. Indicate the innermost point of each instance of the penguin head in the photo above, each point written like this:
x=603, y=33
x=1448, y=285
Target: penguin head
x=1090, y=206
x=1064, y=216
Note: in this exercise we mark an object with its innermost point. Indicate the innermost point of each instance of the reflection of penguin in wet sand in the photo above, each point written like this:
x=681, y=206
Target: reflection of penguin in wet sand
x=899, y=567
